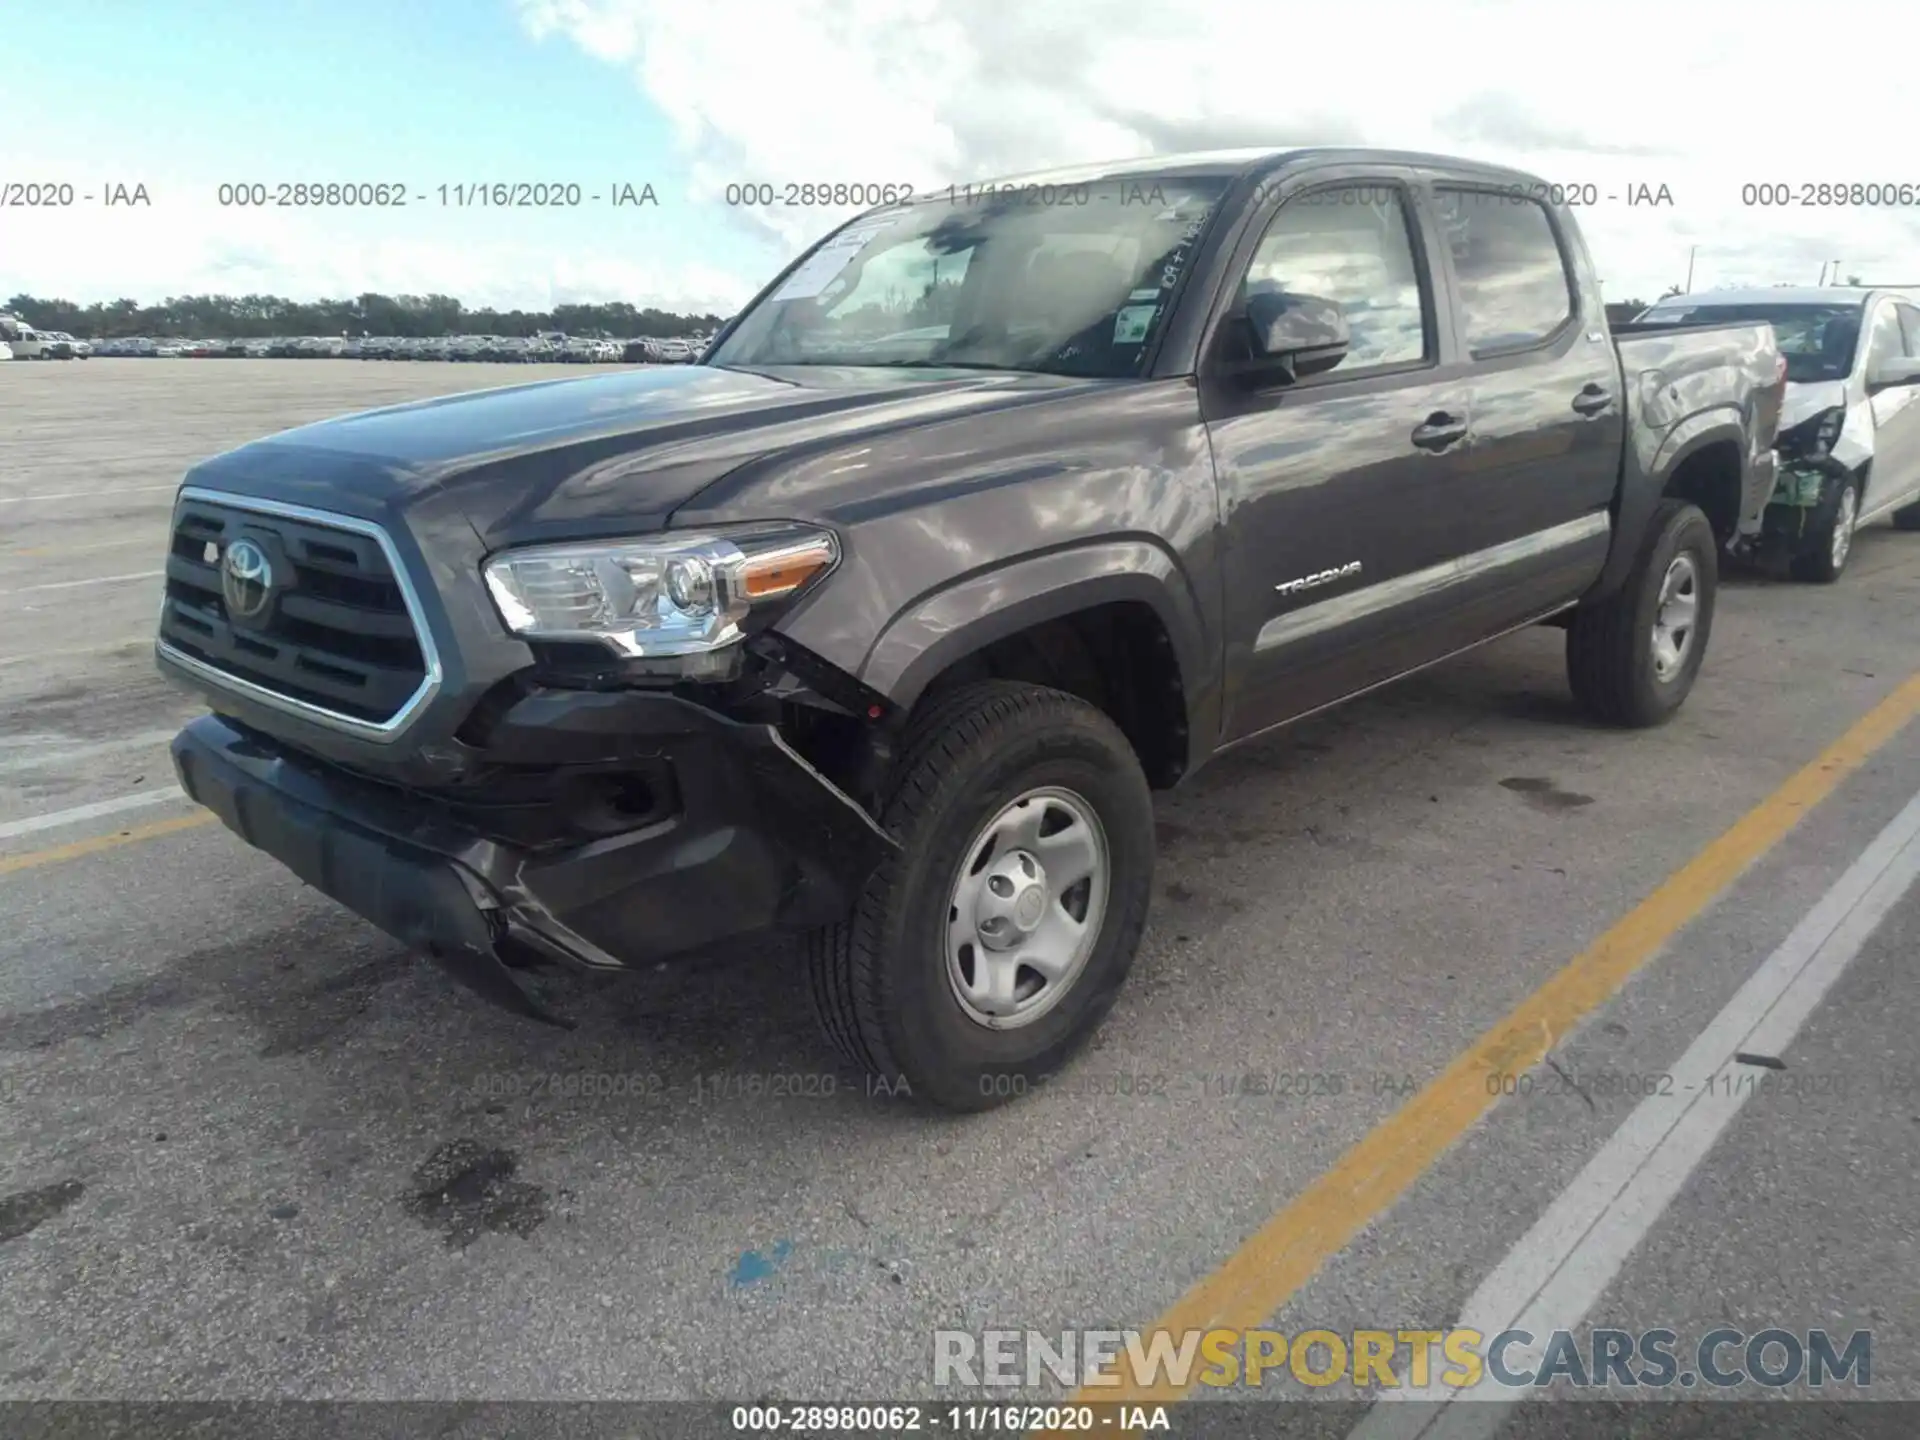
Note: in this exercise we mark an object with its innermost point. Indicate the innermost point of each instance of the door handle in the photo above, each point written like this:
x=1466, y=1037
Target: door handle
x=1592, y=400
x=1439, y=430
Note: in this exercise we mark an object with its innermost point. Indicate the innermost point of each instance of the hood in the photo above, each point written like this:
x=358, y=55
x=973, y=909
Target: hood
x=603, y=454
x=1803, y=402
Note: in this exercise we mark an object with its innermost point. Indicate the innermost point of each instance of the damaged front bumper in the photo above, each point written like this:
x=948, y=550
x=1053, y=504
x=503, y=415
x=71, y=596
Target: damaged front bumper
x=668, y=829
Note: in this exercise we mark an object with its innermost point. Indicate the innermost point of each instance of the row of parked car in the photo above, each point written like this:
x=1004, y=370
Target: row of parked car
x=23, y=342
x=554, y=348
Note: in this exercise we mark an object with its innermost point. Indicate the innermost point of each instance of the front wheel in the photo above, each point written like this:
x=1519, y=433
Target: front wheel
x=1829, y=539
x=1632, y=658
x=986, y=950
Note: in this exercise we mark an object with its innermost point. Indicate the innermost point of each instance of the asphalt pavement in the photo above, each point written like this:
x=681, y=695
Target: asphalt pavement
x=251, y=1149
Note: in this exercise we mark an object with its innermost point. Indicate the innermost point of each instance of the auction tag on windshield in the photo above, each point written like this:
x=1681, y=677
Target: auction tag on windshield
x=1130, y=326
x=828, y=261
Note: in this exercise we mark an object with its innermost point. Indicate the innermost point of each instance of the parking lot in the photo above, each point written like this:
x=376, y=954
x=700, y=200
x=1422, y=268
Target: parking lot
x=250, y=1148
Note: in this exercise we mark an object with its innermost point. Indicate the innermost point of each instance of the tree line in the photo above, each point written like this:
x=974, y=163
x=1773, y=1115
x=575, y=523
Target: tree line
x=246, y=317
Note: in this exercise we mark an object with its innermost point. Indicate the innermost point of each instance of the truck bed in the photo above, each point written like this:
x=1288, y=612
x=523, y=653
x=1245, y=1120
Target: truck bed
x=1679, y=380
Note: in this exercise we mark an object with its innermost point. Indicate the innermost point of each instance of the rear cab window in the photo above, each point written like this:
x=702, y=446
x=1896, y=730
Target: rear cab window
x=1515, y=288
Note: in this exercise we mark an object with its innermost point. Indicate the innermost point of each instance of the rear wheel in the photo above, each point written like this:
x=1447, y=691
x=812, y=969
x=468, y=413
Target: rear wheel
x=1632, y=658
x=985, y=951
x=1829, y=536
x=1907, y=518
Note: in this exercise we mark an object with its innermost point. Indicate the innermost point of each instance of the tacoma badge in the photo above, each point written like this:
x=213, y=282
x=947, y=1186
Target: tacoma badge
x=1318, y=578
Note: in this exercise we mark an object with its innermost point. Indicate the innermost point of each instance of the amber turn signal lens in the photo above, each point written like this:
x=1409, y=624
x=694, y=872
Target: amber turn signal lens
x=785, y=571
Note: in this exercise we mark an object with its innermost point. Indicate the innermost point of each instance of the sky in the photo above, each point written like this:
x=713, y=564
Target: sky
x=1707, y=99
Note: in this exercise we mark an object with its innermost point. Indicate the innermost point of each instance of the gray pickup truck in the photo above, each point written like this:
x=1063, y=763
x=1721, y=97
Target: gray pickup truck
x=1000, y=508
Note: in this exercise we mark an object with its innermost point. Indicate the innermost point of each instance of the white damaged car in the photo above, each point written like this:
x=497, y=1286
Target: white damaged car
x=1849, y=442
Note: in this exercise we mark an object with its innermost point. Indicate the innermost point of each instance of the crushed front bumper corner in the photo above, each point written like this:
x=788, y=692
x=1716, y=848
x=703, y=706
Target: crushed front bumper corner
x=761, y=841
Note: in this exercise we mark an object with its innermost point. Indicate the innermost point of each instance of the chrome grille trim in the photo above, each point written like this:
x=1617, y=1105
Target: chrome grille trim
x=382, y=731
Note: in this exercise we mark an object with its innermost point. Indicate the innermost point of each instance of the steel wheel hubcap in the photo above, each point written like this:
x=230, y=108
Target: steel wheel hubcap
x=1843, y=525
x=1674, y=618
x=1025, y=909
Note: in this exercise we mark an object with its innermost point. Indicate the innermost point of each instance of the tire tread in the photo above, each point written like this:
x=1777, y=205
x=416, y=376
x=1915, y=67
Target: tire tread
x=1603, y=642
x=843, y=959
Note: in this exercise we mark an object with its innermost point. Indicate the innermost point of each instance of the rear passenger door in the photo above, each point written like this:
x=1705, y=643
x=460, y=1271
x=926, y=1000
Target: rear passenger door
x=1548, y=421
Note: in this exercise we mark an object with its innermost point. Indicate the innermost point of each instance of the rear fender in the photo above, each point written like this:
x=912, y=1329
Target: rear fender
x=1643, y=484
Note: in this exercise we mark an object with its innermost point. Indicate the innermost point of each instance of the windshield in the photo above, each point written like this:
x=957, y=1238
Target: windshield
x=1069, y=279
x=1818, y=340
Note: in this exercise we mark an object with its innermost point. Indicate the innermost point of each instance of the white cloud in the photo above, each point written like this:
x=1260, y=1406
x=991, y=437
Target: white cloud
x=1702, y=97
x=186, y=244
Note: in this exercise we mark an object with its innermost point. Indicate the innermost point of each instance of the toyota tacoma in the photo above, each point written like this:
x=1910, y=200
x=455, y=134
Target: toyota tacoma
x=1000, y=508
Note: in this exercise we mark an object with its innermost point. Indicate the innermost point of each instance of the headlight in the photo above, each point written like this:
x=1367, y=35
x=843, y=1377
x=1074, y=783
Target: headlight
x=674, y=594
x=1813, y=437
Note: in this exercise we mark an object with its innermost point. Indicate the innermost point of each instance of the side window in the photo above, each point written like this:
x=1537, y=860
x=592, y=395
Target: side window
x=1910, y=325
x=1514, y=287
x=1884, y=342
x=1352, y=244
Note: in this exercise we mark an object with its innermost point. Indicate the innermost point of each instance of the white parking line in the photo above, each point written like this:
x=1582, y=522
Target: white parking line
x=36, y=552
x=83, y=494
x=90, y=580
x=36, y=823
x=17, y=757
x=67, y=653
x=1563, y=1265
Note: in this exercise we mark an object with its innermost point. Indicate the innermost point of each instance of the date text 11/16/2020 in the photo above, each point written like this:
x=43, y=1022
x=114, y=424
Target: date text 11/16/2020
x=458, y=195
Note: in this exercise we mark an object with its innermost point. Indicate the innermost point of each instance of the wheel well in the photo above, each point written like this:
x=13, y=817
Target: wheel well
x=1117, y=657
x=1710, y=478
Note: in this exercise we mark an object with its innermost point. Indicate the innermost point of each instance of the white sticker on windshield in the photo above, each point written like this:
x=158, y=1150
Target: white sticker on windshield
x=1150, y=293
x=1130, y=326
x=828, y=261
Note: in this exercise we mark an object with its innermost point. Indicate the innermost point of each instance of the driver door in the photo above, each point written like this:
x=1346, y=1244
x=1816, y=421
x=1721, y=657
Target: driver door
x=1340, y=489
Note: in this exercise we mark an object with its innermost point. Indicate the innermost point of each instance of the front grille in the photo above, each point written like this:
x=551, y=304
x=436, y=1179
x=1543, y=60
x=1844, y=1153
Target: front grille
x=336, y=634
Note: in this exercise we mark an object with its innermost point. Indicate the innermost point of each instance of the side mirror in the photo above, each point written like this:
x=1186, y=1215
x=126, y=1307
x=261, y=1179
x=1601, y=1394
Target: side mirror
x=1298, y=334
x=1900, y=370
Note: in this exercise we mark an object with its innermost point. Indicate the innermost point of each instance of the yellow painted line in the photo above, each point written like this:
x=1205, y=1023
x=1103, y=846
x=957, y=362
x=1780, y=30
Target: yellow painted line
x=74, y=850
x=1280, y=1257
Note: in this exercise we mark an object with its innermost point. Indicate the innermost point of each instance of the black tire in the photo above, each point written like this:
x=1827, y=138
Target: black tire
x=1907, y=518
x=1815, y=563
x=880, y=978
x=1610, y=644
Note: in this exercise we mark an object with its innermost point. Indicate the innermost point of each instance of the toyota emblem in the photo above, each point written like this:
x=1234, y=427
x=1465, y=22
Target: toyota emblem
x=246, y=580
